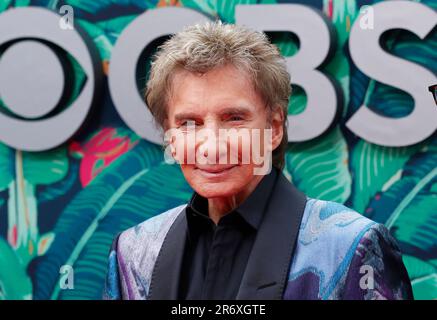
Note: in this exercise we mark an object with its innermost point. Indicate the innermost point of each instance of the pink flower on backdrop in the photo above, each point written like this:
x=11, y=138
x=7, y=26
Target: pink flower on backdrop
x=100, y=150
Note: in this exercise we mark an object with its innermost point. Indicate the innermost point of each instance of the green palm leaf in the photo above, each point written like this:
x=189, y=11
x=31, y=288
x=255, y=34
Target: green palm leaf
x=5, y=5
x=161, y=188
x=320, y=167
x=6, y=166
x=15, y=284
x=97, y=7
x=423, y=277
x=45, y=167
x=225, y=10
x=413, y=219
x=425, y=288
x=100, y=39
x=126, y=193
x=373, y=166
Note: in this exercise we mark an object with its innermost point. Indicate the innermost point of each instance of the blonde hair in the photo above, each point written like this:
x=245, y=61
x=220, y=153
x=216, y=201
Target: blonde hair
x=203, y=47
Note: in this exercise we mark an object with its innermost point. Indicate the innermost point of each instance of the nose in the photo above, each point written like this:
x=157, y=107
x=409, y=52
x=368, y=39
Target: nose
x=210, y=147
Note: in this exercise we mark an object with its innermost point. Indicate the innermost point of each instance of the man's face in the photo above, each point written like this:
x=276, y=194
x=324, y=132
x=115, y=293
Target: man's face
x=223, y=98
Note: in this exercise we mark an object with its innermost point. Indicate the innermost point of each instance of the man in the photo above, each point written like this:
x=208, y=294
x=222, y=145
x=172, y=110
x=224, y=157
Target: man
x=246, y=233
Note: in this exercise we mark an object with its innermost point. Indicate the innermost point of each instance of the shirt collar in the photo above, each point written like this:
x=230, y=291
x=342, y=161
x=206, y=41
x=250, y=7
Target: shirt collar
x=251, y=210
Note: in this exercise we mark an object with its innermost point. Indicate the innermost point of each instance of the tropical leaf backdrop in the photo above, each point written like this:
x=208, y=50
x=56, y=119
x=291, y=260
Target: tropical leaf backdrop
x=63, y=207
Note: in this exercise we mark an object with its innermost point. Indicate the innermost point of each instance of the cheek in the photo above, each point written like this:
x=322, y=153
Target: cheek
x=188, y=172
x=250, y=147
x=184, y=147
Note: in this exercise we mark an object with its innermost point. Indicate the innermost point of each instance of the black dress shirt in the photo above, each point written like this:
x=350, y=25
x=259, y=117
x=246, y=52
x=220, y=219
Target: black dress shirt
x=216, y=256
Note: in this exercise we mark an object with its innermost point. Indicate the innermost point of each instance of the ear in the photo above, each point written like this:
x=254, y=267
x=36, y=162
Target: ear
x=277, y=123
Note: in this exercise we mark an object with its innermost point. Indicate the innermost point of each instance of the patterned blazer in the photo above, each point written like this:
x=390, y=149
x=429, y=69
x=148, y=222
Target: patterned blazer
x=305, y=248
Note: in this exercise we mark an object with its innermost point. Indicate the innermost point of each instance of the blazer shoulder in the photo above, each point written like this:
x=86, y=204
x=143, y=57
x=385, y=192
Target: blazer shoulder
x=331, y=220
x=151, y=229
x=135, y=253
x=328, y=237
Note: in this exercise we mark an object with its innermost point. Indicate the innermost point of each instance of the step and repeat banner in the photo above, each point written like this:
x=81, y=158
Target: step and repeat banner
x=81, y=160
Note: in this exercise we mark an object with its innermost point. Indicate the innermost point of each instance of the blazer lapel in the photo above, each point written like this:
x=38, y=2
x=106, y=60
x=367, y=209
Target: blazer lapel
x=267, y=269
x=166, y=273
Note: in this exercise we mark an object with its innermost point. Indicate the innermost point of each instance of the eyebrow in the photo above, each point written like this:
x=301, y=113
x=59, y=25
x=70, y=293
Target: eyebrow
x=235, y=110
x=227, y=110
x=185, y=115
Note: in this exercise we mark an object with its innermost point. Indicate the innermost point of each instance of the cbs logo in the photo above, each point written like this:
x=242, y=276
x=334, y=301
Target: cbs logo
x=33, y=85
x=36, y=81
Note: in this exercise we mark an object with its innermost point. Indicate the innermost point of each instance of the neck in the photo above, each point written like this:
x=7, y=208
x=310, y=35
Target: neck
x=220, y=206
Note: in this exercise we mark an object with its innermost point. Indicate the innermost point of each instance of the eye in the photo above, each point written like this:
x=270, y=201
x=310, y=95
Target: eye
x=235, y=118
x=187, y=123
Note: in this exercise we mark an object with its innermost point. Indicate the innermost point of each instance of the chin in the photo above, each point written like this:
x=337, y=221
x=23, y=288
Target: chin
x=214, y=182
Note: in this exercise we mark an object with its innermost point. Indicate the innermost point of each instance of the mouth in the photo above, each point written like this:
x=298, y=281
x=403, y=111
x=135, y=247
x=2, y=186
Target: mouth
x=214, y=171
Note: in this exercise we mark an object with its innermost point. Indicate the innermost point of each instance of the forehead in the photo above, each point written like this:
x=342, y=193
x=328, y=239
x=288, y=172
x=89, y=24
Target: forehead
x=219, y=88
